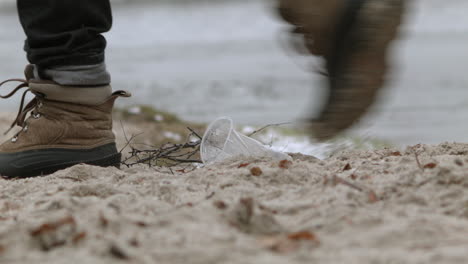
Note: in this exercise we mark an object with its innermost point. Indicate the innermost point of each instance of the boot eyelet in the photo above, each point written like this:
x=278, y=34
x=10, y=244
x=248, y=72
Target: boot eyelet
x=14, y=139
x=25, y=128
x=36, y=116
x=39, y=105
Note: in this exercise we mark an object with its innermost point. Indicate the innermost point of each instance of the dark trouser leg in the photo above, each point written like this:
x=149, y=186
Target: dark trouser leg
x=64, y=39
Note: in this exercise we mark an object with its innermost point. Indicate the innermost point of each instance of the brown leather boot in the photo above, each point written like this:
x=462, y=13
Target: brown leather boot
x=66, y=126
x=314, y=20
x=353, y=36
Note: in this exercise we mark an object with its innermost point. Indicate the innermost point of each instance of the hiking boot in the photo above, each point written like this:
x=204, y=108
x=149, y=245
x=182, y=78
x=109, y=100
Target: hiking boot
x=353, y=36
x=66, y=126
x=314, y=20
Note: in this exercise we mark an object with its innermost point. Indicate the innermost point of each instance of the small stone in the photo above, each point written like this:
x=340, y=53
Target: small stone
x=256, y=171
x=118, y=253
x=220, y=205
x=459, y=162
x=285, y=164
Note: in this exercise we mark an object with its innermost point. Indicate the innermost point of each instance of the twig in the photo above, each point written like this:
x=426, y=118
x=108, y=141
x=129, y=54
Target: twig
x=372, y=196
x=194, y=133
x=418, y=162
x=129, y=140
x=170, y=155
x=126, y=138
x=267, y=126
x=338, y=180
x=211, y=195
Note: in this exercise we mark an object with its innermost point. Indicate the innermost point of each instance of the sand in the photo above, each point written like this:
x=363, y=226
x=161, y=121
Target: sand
x=381, y=206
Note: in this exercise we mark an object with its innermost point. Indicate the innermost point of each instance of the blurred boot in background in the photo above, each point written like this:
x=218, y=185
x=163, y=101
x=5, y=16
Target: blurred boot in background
x=353, y=36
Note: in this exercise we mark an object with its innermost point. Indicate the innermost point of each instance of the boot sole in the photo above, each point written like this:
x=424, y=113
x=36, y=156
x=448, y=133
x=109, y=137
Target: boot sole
x=46, y=161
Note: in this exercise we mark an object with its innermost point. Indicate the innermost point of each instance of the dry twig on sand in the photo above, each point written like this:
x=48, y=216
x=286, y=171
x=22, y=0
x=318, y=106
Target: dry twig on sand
x=168, y=155
x=267, y=126
x=372, y=196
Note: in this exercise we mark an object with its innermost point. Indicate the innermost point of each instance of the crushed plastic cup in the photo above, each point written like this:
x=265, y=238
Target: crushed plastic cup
x=221, y=142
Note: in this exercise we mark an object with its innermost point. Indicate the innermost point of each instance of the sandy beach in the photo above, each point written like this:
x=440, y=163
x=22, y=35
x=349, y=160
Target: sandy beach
x=388, y=205
x=378, y=205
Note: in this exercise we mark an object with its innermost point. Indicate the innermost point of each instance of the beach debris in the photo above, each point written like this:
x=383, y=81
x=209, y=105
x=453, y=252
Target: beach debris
x=220, y=205
x=211, y=195
x=303, y=235
x=285, y=164
x=417, y=161
x=118, y=252
x=256, y=171
x=267, y=209
x=221, y=141
x=267, y=126
x=243, y=165
x=288, y=243
x=79, y=237
x=278, y=244
x=142, y=224
x=227, y=185
x=347, y=167
x=134, y=242
x=168, y=155
x=197, y=149
x=372, y=196
x=103, y=221
x=54, y=234
x=430, y=166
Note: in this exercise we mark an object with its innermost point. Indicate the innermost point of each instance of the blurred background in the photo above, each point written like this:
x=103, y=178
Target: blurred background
x=207, y=58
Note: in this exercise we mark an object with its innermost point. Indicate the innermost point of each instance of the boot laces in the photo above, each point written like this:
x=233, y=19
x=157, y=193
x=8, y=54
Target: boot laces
x=31, y=107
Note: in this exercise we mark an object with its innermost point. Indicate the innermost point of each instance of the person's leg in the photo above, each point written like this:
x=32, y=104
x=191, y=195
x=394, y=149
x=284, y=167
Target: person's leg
x=64, y=39
x=70, y=118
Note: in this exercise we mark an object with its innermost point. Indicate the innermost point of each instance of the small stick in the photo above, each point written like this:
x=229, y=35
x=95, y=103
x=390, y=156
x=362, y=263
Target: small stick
x=417, y=161
x=267, y=126
x=194, y=133
x=338, y=180
x=370, y=193
x=210, y=195
x=128, y=141
x=176, y=154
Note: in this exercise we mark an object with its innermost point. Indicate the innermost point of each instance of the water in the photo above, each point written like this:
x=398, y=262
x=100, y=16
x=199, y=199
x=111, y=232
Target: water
x=228, y=58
